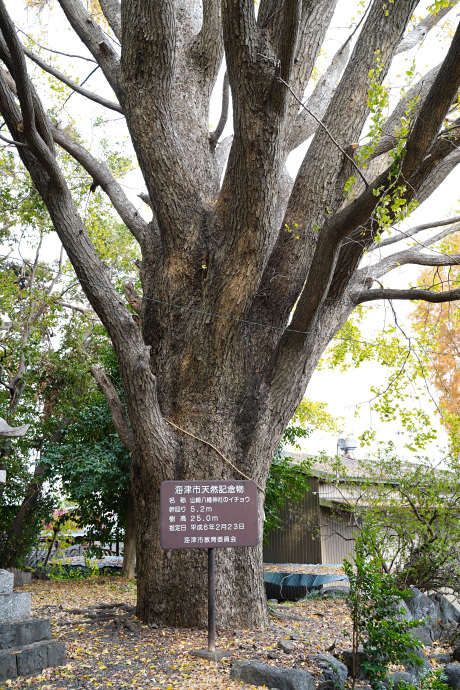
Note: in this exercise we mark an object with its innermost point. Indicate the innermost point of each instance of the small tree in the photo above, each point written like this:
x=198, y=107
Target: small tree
x=377, y=623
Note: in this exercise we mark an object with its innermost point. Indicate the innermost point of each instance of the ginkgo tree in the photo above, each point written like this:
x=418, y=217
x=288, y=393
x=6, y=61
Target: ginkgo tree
x=245, y=275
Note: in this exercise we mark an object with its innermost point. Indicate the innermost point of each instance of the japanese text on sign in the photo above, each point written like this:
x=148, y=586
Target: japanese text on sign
x=206, y=514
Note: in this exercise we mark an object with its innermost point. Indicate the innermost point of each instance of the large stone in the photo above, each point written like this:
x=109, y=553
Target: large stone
x=424, y=609
x=399, y=679
x=448, y=616
x=452, y=676
x=15, y=606
x=24, y=633
x=336, y=591
x=445, y=609
x=7, y=666
x=402, y=611
x=254, y=673
x=441, y=658
x=424, y=633
x=334, y=673
x=56, y=654
x=418, y=669
x=34, y=630
x=9, y=636
x=286, y=646
x=6, y=582
x=421, y=606
x=33, y=660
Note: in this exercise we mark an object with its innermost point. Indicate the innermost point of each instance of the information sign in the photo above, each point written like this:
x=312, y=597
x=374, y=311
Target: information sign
x=208, y=514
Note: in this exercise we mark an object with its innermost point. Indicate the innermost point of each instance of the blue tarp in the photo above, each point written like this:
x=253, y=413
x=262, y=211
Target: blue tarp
x=310, y=580
x=295, y=585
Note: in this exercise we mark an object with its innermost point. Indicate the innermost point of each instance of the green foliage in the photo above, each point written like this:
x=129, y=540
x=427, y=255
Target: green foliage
x=432, y=680
x=93, y=466
x=438, y=5
x=404, y=396
x=374, y=603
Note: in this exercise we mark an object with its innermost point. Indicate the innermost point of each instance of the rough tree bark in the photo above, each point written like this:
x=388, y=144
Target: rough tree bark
x=235, y=311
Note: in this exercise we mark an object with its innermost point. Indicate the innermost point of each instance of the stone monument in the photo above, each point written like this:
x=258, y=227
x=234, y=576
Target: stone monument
x=26, y=647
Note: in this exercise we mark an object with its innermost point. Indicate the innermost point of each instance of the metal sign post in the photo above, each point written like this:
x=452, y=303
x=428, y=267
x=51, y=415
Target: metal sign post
x=208, y=515
x=211, y=600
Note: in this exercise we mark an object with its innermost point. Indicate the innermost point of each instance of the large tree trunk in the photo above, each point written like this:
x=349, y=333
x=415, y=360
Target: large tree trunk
x=172, y=584
x=218, y=408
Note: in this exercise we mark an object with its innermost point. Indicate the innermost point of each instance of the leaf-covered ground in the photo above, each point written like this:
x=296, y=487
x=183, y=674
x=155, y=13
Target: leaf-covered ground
x=110, y=648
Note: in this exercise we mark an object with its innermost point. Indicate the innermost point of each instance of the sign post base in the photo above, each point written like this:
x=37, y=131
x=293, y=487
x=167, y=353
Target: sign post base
x=210, y=656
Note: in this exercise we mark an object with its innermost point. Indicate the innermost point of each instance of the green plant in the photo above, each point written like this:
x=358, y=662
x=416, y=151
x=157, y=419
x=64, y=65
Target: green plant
x=432, y=680
x=377, y=623
x=60, y=571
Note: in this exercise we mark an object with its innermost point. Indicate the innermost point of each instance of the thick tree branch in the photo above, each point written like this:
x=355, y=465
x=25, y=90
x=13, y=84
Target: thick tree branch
x=414, y=256
x=112, y=12
x=149, y=36
x=318, y=190
x=102, y=175
x=117, y=410
x=444, y=167
x=207, y=49
x=358, y=212
x=221, y=153
x=33, y=120
x=240, y=37
x=50, y=183
x=420, y=31
x=434, y=109
x=409, y=107
x=95, y=40
x=336, y=143
x=305, y=124
x=410, y=294
x=168, y=164
x=72, y=84
x=405, y=234
x=215, y=136
x=317, y=13
x=253, y=62
x=41, y=118
x=430, y=174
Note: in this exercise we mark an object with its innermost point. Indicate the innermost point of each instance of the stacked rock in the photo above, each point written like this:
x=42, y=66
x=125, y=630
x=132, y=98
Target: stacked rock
x=26, y=647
